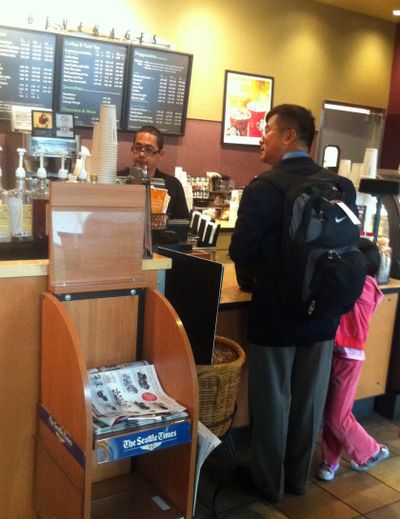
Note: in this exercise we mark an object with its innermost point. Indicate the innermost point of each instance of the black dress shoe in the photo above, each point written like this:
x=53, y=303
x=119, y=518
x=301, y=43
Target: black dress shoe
x=295, y=490
x=244, y=478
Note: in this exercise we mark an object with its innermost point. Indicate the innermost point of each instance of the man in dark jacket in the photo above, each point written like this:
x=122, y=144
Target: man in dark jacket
x=147, y=149
x=289, y=360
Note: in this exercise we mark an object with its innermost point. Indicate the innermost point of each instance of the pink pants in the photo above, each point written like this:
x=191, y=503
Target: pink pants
x=341, y=429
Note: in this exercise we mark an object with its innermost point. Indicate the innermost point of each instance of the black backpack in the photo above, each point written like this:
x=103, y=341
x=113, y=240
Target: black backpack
x=322, y=271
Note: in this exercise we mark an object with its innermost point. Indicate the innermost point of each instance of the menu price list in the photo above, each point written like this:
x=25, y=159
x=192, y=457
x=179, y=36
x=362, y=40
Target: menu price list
x=158, y=90
x=26, y=69
x=92, y=74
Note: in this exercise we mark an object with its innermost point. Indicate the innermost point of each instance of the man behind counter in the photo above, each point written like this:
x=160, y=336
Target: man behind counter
x=147, y=150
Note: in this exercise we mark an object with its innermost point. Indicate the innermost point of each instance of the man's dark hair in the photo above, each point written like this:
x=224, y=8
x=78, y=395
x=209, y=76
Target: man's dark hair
x=297, y=117
x=154, y=131
x=371, y=254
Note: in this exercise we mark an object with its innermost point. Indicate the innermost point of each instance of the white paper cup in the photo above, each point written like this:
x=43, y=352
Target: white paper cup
x=344, y=167
x=108, y=124
x=370, y=162
x=355, y=173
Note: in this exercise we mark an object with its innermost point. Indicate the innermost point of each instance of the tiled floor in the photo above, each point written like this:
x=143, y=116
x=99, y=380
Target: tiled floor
x=374, y=494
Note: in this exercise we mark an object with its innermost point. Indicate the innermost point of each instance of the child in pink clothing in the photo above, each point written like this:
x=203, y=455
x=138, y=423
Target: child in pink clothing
x=341, y=429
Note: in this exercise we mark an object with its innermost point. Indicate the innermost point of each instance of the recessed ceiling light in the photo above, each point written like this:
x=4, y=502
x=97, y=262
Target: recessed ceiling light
x=347, y=108
x=396, y=12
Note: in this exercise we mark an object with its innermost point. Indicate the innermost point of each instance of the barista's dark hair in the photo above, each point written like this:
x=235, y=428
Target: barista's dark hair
x=154, y=131
x=371, y=254
x=297, y=117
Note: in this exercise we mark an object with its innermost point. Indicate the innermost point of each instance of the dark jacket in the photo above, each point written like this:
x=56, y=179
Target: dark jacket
x=256, y=241
x=177, y=207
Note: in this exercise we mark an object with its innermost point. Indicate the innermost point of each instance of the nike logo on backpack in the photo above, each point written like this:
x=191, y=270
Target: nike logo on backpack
x=338, y=220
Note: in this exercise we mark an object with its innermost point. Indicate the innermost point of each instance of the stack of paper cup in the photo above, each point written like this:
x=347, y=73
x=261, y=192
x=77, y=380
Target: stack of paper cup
x=103, y=164
x=236, y=195
x=344, y=167
x=355, y=173
x=188, y=195
x=91, y=166
x=370, y=163
x=181, y=175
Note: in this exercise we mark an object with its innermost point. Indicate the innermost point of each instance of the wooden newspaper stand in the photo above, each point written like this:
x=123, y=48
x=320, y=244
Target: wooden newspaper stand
x=100, y=313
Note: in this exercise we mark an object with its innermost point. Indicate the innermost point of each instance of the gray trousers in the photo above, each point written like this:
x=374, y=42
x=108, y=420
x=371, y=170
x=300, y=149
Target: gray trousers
x=287, y=391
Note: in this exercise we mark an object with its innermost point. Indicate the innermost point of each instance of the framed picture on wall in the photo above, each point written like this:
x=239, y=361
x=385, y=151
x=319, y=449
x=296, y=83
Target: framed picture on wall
x=42, y=123
x=247, y=98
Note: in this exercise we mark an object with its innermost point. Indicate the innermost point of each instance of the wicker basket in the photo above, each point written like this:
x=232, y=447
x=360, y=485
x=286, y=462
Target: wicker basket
x=219, y=384
x=159, y=221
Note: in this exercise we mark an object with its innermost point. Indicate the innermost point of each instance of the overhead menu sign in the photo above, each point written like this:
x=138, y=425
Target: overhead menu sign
x=158, y=90
x=26, y=69
x=92, y=74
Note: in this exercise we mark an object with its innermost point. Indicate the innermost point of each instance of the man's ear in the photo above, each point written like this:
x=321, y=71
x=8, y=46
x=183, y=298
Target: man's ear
x=162, y=153
x=290, y=136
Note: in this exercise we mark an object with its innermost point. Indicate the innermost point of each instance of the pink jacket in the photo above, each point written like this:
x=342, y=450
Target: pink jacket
x=353, y=327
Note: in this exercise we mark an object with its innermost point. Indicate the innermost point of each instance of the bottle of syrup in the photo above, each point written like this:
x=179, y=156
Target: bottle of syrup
x=20, y=204
x=62, y=174
x=40, y=199
x=4, y=224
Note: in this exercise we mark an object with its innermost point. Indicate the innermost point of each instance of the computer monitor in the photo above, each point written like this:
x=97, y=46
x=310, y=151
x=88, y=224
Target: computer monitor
x=193, y=287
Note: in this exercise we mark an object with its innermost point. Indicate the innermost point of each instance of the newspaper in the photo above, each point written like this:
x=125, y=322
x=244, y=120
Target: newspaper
x=130, y=393
x=207, y=441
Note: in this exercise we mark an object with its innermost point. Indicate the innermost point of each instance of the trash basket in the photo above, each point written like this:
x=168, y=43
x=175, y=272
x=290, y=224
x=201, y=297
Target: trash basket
x=219, y=384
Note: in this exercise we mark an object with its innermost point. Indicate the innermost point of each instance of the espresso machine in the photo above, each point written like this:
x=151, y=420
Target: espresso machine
x=53, y=149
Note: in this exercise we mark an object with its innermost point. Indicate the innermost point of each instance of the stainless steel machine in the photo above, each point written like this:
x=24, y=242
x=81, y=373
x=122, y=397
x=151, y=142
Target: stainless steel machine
x=53, y=149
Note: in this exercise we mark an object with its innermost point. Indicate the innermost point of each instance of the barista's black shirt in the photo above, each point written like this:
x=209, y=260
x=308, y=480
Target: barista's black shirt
x=177, y=207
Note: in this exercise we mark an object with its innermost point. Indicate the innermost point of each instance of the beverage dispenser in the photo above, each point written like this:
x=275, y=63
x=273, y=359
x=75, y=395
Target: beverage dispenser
x=53, y=149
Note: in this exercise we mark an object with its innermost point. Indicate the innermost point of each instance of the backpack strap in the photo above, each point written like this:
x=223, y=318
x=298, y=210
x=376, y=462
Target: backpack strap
x=286, y=180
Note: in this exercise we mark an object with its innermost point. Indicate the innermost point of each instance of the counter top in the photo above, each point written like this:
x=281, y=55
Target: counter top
x=392, y=286
x=232, y=295
x=23, y=268
x=157, y=262
x=29, y=268
x=226, y=226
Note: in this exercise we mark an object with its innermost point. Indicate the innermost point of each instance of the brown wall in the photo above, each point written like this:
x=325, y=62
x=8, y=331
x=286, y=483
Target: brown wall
x=391, y=141
x=198, y=151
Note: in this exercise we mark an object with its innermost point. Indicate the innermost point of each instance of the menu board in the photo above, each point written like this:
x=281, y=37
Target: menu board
x=158, y=90
x=26, y=69
x=92, y=73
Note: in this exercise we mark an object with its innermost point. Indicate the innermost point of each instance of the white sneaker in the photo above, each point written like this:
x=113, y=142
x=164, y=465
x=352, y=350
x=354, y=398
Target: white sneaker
x=383, y=453
x=327, y=471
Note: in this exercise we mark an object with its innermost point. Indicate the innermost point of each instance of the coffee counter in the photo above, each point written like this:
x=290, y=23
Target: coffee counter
x=232, y=323
x=21, y=284
x=28, y=268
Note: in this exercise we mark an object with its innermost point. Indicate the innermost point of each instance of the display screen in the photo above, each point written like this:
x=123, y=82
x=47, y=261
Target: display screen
x=196, y=305
x=158, y=90
x=26, y=69
x=92, y=73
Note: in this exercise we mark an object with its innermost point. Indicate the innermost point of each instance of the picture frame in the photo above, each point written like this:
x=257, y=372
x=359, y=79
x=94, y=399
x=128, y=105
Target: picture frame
x=42, y=123
x=247, y=98
x=65, y=126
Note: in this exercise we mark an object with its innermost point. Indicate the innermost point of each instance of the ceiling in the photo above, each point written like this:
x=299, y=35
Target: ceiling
x=376, y=8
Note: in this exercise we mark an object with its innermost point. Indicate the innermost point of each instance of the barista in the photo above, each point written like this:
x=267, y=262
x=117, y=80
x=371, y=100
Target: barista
x=147, y=150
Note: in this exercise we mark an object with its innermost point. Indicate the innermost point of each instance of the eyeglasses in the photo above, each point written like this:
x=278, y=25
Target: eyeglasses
x=267, y=129
x=149, y=151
